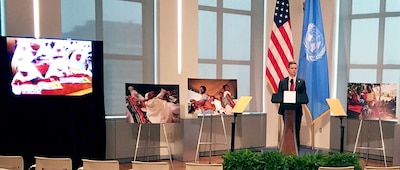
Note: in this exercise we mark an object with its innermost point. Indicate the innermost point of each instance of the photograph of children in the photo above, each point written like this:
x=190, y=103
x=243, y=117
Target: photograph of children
x=371, y=101
x=209, y=96
x=50, y=66
x=150, y=103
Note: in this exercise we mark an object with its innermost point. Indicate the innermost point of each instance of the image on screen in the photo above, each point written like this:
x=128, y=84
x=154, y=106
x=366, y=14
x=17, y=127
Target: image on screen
x=60, y=67
x=151, y=103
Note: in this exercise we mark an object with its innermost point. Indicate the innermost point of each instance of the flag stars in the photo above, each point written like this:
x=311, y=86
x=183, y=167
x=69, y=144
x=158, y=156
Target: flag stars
x=281, y=14
x=281, y=17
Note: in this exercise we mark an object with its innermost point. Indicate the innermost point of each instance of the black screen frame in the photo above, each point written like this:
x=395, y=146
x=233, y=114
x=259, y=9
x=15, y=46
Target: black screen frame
x=53, y=126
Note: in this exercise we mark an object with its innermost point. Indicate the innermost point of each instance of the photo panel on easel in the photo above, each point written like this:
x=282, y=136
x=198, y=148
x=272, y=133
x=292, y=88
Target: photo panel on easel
x=211, y=95
x=370, y=101
x=152, y=103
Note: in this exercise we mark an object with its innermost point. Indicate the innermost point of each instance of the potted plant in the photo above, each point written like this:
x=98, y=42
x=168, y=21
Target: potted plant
x=241, y=160
x=337, y=159
x=247, y=160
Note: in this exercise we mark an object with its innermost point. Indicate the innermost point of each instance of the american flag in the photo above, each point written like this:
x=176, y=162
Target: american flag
x=280, y=46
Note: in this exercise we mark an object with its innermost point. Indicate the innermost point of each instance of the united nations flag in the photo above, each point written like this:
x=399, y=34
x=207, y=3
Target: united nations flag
x=313, y=65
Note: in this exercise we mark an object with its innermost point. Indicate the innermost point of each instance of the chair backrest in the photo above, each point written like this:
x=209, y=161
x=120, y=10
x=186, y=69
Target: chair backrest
x=201, y=166
x=383, y=168
x=12, y=162
x=137, y=165
x=100, y=164
x=337, y=168
x=53, y=163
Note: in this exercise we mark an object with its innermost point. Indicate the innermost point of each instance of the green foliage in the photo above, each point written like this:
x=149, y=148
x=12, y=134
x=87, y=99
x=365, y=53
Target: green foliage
x=240, y=160
x=337, y=159
x=270, y=160
x=307, y=161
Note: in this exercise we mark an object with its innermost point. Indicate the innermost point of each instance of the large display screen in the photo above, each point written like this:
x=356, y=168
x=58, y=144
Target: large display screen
x=43, y=66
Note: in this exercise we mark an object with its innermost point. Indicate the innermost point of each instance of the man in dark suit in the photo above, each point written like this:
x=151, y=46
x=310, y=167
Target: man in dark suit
x=293, y=83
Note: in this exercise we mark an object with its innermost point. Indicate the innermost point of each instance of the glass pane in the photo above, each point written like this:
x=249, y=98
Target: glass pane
x=238, y=4
x=212, y=3
x=391, y=76
x=362, y=76
x=118, y=72
x=207, y=35
x=236, y=37
x=122, y=26
x=208, y=71
x=242, y=74
x=365, y=7
x=392, y=41
x=392, y=6
x=364, y=41
x=78, y=23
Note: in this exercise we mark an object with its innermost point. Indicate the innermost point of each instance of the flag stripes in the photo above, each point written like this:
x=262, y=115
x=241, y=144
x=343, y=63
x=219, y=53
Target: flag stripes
x=280, y=53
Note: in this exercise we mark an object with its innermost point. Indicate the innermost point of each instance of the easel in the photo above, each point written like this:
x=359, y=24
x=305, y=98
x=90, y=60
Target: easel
x=210, y=142
x=368, y=147
x=147, y=143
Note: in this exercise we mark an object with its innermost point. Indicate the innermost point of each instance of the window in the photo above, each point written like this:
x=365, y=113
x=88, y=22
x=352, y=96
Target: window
x=120, y=25
x=374, y=40
x=231, y=44
x=373, y=55
x=79, y=23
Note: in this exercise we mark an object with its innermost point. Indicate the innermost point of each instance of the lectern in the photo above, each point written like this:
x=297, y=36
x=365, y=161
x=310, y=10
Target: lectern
x=288, y=142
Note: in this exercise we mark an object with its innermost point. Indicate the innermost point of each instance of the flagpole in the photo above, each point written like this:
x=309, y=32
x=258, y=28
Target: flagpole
x=312, y=136
x=279, y=133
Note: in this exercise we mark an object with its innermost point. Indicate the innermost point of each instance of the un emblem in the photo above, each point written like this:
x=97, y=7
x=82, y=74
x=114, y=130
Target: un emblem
x=314, y=43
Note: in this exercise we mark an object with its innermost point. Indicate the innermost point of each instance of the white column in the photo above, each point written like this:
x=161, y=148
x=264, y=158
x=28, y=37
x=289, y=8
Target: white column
x=168, y=45
x=20, y=18
x=178, y=48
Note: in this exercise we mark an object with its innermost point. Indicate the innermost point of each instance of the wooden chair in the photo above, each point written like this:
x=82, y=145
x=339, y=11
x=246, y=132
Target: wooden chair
x=201, y=166
x=12, y=162
x=99, y=165
x=138, y=165
x=336, y=168
x=382, y=168
x=52, y=163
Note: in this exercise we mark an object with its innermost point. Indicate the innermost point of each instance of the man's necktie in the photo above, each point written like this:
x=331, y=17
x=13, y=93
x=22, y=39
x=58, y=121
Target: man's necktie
x=291, y=85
